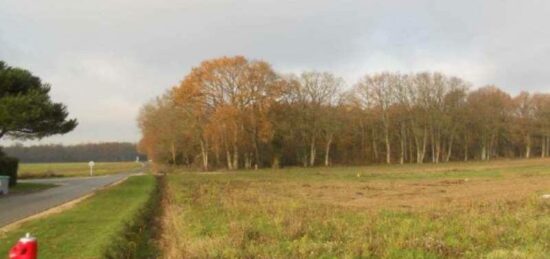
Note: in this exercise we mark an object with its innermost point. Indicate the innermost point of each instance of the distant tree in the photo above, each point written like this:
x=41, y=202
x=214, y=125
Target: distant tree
x=231, y=98
x=378, y=93
x=542, y=116
x=242, y=113
x=164, y=126
x=99, y=152
x=491, y=109
x=26, y=111
x=524, y=118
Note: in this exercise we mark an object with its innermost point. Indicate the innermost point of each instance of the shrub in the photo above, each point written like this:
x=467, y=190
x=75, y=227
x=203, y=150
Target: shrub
x=9, y=166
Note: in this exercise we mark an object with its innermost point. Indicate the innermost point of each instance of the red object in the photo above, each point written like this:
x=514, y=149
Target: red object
x=26, y=248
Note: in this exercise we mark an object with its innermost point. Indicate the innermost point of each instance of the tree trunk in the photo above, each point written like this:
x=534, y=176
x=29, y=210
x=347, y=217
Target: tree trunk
x=484, y=146
x=491, y=151
x=312, y=152
x=450, y=148
x=403, y=144
x=173, y=151
x=543, y=147
x=437, y=145
x=388, y=147
x=228, y=158
x=247, y=161
x=185, y=158
x=235, y=157
x=466, y=146
x=432, y=143
x=422, y=154
x=257, y=160
x=411, y=150
x=327, y=150
x=204, y=154
x=374, y=146
x=218, y=163
x=276, y=163
x=528, y=146
x=418, y=149
x=363, y=140
x=227, y=154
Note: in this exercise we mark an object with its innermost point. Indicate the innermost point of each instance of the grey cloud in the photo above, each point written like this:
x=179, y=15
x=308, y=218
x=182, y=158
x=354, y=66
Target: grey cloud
x=106, y=58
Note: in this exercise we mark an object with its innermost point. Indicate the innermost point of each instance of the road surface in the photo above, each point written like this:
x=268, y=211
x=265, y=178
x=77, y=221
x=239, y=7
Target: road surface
x=19, y=206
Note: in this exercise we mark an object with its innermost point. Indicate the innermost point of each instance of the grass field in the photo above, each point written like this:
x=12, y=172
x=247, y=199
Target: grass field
x=471, y=210
x=89, y=229
x=41, y=170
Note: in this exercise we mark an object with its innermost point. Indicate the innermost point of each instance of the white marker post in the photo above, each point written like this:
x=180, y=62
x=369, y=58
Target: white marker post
x=91, y=165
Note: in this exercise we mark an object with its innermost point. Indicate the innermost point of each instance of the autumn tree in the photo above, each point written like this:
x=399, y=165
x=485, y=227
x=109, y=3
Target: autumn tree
x=231, y=112
x=524, y=117
x=317, y=94
x=166, y=132
x=230, y=98
x=541, y=103
x=377, y=92
x=490, y=112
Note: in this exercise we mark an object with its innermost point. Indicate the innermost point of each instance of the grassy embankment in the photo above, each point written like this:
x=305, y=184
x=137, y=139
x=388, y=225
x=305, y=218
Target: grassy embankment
x=108, y=224
x=471, y=210
x=41, y=170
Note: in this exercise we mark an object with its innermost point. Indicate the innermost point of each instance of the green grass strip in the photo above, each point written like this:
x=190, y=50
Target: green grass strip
x=89, y=229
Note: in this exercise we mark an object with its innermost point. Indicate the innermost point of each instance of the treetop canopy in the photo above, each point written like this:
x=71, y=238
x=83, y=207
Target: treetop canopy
x=26, y=110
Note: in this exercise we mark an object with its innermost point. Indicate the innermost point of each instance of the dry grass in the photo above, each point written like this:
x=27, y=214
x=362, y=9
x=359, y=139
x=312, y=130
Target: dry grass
x=420, y=211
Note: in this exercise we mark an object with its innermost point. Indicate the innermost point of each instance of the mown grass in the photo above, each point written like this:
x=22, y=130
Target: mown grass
x=293, y=213
x=42, y=170
x=92, y=227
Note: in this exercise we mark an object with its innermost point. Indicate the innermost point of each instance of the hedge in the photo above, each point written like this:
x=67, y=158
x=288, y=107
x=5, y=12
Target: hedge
x=9, y=166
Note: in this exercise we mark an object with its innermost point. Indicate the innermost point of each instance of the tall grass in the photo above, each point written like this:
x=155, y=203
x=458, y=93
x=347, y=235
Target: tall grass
x=260, y=215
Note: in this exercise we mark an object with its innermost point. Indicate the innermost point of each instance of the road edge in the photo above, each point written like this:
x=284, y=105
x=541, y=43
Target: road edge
x=61, y=207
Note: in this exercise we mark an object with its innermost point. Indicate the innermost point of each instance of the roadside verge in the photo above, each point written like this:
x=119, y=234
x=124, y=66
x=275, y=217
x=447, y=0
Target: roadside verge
x=94, y=228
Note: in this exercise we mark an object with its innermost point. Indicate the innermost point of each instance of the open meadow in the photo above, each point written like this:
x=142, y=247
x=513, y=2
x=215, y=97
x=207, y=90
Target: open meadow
x=43, y=170
x=473, y=210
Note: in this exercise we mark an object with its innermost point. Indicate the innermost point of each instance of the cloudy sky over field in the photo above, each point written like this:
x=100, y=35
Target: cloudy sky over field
x=105, y=58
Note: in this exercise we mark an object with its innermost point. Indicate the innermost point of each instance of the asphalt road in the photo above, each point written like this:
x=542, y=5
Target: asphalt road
x=19, y=206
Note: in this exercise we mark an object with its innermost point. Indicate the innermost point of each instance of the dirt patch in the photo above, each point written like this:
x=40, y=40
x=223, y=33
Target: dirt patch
x=458, y=193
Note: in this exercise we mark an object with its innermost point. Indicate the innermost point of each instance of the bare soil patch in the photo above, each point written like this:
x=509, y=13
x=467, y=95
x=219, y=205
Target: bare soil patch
x=422, y=194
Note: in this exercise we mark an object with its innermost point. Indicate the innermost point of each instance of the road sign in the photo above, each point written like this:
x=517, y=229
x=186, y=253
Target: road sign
x=91, y=164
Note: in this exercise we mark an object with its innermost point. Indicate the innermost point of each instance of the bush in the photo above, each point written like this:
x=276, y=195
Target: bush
x=9, y=166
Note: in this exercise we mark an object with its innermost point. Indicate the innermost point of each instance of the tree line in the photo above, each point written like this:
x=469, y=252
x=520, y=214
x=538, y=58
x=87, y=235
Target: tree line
x=231, y=112
x=99, y=152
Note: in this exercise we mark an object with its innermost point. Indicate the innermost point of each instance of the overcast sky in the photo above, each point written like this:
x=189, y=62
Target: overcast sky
x=106, y=58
